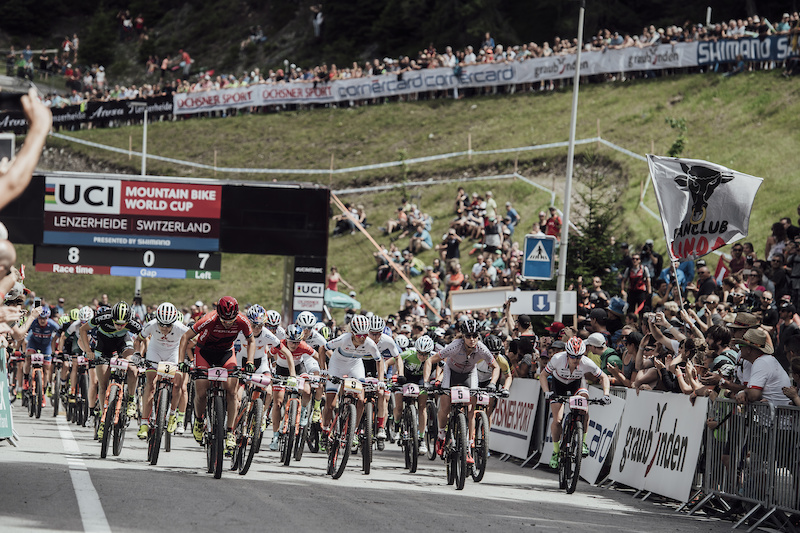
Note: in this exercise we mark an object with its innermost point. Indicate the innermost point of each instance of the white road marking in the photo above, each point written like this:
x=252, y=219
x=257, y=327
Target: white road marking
x=92, y=514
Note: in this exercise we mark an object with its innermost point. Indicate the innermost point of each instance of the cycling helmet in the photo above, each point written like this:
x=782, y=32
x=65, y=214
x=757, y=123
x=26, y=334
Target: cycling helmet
x=74, y=314
x=149, y=316
x=86, y=314
x=424, y=344
x=402, y=342
x=376, y=324
x=45, y=312
x=359, y=325
x=575, y=347
x=469, y=326
x=325, y=331
x=439, y=333
x=227, y=308
x=121, y=313
x=63, y=319
x=494, y=343
x=318, y=326
x=273, y=318
x=306, y=320
x=256, y=314
x=167, y=314
x=294, y=333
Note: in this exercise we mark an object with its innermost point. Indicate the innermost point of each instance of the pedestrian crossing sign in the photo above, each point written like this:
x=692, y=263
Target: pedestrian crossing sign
x=539, y=256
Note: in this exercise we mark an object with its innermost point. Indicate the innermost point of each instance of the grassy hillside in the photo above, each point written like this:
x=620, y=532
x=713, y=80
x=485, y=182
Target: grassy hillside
x=746, y=122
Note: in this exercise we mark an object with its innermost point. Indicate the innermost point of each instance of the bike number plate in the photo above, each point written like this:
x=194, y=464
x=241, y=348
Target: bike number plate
x=260, y=380
x=372, y=381
x=217, y=374
x=37, y=358
x=353, y=385
x=166, y=370
x=459, y=394
x=82, y=361
x=411, y=390
x=578, y=403
x=483, y=398
x=118, y=363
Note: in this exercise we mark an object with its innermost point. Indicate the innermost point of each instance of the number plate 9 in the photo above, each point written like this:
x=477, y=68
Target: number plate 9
x=217, y=374
x=166, y=370
x=353, y=385
x=411, y=390
x=37, y=358
x=483, y=398
x=578, y=403
x=459, y=394
x=118, y=363
x=260, y=380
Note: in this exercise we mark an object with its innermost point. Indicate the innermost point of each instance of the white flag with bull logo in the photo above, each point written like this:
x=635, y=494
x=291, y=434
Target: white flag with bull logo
x=703, y=206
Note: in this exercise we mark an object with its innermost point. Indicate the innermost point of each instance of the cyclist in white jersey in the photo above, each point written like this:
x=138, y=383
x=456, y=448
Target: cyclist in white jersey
x=273, y=324
x=388, y=350
x=346, y=354
x=160, y=339
x=564, y=375
x=313, y=336
x=461, y=358
x=263, y=337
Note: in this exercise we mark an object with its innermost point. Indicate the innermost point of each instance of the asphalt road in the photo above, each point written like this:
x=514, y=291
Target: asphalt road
x=55, y=481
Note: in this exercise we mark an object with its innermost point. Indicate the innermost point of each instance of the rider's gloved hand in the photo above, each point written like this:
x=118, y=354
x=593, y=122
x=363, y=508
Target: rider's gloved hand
x=505, y=393
x=548, y=395
x=491, y=387
x=400, y=380
x=183, y=366
x=249, y=367
x=606, y=399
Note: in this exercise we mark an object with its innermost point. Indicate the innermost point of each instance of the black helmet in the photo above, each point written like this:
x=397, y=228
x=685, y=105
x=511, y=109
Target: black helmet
x=469, y=326
x=121, y=313
x=494, y=343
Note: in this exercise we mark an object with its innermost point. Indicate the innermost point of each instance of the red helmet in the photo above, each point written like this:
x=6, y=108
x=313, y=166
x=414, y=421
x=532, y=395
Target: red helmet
x=227, y=308
x=575, y=347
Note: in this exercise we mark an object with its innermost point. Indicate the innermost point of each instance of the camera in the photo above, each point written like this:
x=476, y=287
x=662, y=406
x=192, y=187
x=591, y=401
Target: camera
x=512, y=299
x=10, y=101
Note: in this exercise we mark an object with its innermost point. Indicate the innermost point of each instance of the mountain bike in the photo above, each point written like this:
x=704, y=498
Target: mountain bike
x=289, y=430
x=571, y=451
x=15, y=358
x=431, y=426
x=247, y=426
x=35, y=392
x=314, y=429
x=189, y=418
x=408, y=436
x=480, y=451
x=57, y=394
x=457, y=437
x=214, y=434
x=340, y=438
x=162, y=399
x=80, y=405
x=366, y=428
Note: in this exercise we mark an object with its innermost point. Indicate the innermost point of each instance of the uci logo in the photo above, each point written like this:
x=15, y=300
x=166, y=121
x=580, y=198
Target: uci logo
x=701, y=182
x=76, y=195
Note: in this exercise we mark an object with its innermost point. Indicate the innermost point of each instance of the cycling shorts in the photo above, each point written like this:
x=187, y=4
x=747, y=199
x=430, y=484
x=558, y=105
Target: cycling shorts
x=311, y=365
x=416, y=379
x=340, y=367
x=154, y=356
x=214, y=359
x=451, y=378
x=106, y=346
x=568, y=389
x=371, y=368
x=284, y=370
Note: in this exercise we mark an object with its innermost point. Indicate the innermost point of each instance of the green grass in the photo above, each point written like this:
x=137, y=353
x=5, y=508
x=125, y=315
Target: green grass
x=747, y=123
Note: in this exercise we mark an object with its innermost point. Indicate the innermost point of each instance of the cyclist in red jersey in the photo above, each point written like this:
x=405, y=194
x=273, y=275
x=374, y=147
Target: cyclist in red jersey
x=216, y=333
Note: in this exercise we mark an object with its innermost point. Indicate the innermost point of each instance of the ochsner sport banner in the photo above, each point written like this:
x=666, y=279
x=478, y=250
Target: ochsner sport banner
x=659, y=443
x=513, y=418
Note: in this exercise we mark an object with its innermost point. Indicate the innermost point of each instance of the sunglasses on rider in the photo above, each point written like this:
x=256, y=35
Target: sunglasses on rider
x=471, y=335
x=574, y=356
x=360, y=335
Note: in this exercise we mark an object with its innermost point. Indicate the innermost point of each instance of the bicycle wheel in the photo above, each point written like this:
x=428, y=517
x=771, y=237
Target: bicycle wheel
x=449, y=450
x=218, y=435
x=252, y=436
x=38, y=395
x=313, y=437
x=365, y=440
x=157, y=431
x=54, y=400
x=412, y=443
x=289, y=426
x=391, y=435
x=82, y=404
x=431, y=430
x=460, y=458
x=119, y=430
x=300, y=443
x=481, y=452
x=189, y=418
x=575, y=453
x=342, y=440
x=108, y=423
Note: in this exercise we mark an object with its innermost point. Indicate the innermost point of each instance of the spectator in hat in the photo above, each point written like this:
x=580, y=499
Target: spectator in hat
x=606, y=356
x=767, y=377
x=598, y=319
x=491, y=205
x=139, y=310
x=494, y=317
x=59, y=307
x=556, y=329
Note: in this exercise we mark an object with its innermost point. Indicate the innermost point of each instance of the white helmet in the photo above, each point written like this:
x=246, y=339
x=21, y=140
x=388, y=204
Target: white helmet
x=273, y=318
x=318, y=326
x=167, y=314
x=376, y=324
x=306, y=320
x=424, y=344
x=402, y=342
x=359, y=325
x=86, y=314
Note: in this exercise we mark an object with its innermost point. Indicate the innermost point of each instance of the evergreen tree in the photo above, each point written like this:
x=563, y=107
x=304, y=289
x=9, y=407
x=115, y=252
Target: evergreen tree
x=98, y=45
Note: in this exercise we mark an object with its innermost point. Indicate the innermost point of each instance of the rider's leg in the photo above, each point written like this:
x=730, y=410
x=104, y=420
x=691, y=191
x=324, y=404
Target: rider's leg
x=147, y=400
x=200, y=390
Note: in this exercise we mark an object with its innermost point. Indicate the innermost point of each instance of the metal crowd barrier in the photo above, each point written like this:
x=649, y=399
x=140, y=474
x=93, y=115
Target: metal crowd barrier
x=753, y=457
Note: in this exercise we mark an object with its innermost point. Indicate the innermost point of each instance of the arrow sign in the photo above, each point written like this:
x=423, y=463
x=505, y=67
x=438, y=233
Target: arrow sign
x=539, y=262
x=541, y=303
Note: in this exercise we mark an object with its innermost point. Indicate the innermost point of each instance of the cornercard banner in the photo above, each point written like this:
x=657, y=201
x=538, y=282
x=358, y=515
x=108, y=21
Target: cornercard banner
x=513, y=418
x=659, y=443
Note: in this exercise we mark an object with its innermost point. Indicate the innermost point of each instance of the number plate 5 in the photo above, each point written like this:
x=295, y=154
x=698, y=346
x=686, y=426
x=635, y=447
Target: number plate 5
x=411, y=390
x=217, y=374
x=353, y=385
x=167, y=370
x=578, y=403
x=459, y=394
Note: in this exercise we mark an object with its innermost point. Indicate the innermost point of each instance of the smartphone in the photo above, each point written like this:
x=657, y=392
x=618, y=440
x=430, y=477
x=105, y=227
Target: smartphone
x=37, y=302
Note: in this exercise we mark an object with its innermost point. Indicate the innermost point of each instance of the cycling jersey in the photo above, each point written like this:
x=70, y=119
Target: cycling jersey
x=558, y=367
x=265, y=339
x=346, y=358
x=412, y=366
x=163, y=347
x=315, y=340
x=279, y=332
x=70, y=340
x=456, y=358
x=485, y=371
x=213, y=336
x=299, y=354
x=387, y=347
x=40, y=337
x=105, y=326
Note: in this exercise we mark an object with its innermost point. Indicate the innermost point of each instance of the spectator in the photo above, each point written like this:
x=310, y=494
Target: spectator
x=737, y=262
x=553, y=224
x=513, y=217
x=420, y=240
x=786, y=328
x=636, y=284
x=767, y=378
x=334, y=278
x=449, y=248
x=706, y=284
x=493, y=237
x=186, y=62
x=433, y=299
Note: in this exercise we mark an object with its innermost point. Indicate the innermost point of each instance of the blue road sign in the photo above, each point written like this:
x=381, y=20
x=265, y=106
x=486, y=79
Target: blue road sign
x=540, y=257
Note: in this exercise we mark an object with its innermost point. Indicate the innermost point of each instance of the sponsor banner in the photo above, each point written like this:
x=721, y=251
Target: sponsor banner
x=703, y=205
x=82, y=195
x=772, y=48
x=659, y=441
x=307, y=304
x=309, y=290
x=6, y=418
x=178, y=199
x=513, y=418
x=154, y=242
x=603, y=425
x=86, y=223
x=184, y=103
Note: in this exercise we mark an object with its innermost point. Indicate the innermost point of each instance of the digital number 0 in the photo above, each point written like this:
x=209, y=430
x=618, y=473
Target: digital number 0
x=149, y=258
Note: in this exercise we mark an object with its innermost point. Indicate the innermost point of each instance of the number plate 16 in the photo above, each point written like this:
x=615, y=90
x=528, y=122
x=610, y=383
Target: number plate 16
x=459, y=394
x=578, y=403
